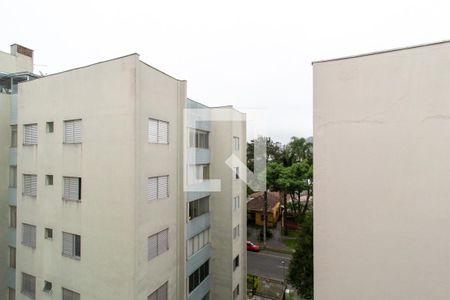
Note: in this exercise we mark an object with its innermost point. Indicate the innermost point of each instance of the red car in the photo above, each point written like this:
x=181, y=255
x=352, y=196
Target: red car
x=252, y=247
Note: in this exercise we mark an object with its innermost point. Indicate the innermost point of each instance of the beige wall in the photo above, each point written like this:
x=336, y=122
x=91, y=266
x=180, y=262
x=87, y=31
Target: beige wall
x=4, y=182
x=224, y=248
x=15, y=63
x=381, y=151
x=161, y=97
x=103, y=96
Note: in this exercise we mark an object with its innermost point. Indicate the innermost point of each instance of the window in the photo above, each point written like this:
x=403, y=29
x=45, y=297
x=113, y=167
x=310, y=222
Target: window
x=29, y=185
x=48, y=233
x=158, y=244
x=236, y=143
x=47, y=286
x=236, y=202
x=198, y=207
x=30, y=134
x=160, y=293
x=13, y=176
x=72, y=132
x=71, y=245
x=198, y=138
x=11, y=294
x=49, y=127
x=158, y=131
x=235, y=262
x=197, y=242
x=49, y=179
x=12, y=257
x=198, y=276
x=72, y=188
x=158, y=187
x=29, y=235
x=236, y=232
x=236, y=292
x=13, y=136
x=12, y=216
x=70, y=295
x=28, y=285
x=236, y=172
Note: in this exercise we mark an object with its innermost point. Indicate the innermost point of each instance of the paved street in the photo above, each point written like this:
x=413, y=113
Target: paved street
x=268, y=264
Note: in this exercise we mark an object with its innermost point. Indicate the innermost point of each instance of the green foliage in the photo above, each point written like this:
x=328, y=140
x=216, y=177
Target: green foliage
x=301, y=268
x=253, y=283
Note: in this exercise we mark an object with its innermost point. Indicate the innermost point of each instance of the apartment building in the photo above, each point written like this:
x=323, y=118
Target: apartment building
x=381, y=144
x=15, y=67
x=107, y=205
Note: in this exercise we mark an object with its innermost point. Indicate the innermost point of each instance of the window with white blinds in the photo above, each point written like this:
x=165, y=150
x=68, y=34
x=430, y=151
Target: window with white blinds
x=236, y=202
x=70, y=295
x=29, y=235
x=71, y=245
x=158, y=187
x=28, y=285
x=72, y=132
x=236, y=143
x=160, y=293
x=197, y=242
x=236, y=232
x=158, y=131
x=30, y=134
x=158, y=244
x=72, y=188
x=29, y=185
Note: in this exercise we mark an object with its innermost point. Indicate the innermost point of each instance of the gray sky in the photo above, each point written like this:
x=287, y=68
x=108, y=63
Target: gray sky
x=252, y=54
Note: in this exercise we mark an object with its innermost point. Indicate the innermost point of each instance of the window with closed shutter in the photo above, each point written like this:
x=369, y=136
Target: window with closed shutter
x=72, y=132
x=30, y=134
x=152, y=246
x=158, y=131
x=72, y=188
x=71, y=245
x=12, y=216
x=160, y=293
x=29, y=185
x=70, y=295
x=158, y=187
x=158, y=243
x=29, y=235
x=28, y=285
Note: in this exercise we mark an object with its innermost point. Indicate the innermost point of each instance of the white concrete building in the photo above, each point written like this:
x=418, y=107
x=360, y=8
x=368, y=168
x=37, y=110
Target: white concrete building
x=15, y=67
x=103, y=211
x=381, y=171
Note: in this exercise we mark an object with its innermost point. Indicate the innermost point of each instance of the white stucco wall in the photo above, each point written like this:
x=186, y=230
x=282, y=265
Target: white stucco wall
x=381, y=159
x=103, y=96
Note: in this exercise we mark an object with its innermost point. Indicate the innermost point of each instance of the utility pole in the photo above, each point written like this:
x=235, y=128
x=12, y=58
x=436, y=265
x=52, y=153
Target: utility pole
x=265, y=218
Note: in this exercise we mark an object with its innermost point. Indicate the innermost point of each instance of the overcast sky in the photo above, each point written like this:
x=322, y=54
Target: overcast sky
x=255, y=55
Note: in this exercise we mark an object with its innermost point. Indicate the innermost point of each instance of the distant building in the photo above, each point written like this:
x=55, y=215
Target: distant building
x=255, y=208
x=15, y=67
x=103, y=210
x=381, y=175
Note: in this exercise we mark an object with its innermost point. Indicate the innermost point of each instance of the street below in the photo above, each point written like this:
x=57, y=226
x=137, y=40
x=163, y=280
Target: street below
x=268, y=264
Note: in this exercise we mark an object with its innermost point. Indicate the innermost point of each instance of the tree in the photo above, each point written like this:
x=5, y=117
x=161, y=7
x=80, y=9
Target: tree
x=301, y=268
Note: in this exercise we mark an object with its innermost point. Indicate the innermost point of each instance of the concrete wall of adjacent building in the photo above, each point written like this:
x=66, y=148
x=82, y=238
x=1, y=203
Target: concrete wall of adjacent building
x=103, y=96
x=224, y=248
x=161, y=97
x=4, y=175
x=381, y=159
x=15, y=63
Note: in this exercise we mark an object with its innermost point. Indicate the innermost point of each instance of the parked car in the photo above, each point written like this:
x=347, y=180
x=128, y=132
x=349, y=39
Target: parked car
x=252, y=247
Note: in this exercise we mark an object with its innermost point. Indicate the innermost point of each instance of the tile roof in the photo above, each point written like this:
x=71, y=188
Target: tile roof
x=256, y=202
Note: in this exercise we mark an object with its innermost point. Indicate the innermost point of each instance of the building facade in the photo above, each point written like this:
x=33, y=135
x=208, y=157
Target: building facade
x=381, y=169
x=106, y=209
x=15, y=67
